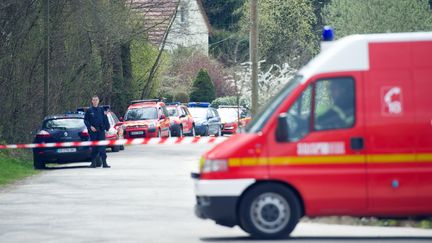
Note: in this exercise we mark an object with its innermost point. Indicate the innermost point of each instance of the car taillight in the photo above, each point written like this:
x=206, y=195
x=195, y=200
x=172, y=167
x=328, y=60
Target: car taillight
x=84, y=133
x=111, y=132
x=43, y=134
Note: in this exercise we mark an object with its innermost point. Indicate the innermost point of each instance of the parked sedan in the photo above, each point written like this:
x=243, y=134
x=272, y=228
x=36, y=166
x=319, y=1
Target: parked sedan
x=61, y=128
x=207, y=119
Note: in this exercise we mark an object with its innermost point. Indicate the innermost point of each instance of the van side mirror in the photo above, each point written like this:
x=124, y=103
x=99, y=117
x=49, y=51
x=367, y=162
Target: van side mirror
x=282, y=128
x=121, y=119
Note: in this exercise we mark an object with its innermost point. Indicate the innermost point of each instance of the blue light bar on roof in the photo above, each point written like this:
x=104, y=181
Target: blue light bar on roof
x=198, y=104
x=327, y=33
x=79, y=112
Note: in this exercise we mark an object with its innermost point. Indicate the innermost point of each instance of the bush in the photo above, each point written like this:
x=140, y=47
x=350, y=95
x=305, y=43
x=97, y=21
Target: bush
x=182, y=97
x=167, y=97
x=184, y=65
x=229, y=100
x=203, y=89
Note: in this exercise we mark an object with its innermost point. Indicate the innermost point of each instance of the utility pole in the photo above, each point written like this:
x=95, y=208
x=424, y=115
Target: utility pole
x=253, y=49
x=46, y=57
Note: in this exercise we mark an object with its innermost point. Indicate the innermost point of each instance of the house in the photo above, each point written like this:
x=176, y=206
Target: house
x=190, y=27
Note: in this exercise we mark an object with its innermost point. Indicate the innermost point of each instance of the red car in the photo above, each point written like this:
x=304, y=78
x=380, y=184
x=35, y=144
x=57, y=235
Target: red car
x=116, y=130
x=182, y=122
x=145, y=119
x=233, y=118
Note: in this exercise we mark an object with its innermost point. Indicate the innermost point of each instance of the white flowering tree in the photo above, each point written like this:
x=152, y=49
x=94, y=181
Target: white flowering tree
x=269, y=82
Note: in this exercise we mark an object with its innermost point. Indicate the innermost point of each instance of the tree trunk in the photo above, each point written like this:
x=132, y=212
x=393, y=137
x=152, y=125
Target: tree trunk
x=149, y=84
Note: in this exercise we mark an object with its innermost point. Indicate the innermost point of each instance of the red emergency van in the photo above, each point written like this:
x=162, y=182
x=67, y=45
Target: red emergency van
x=351, y=134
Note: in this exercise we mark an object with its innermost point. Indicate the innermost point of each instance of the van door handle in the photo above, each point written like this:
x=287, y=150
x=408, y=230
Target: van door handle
x=357, y=143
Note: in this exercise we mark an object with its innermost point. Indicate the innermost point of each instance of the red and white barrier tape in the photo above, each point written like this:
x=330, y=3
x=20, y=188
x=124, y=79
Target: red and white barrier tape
x=132, y=141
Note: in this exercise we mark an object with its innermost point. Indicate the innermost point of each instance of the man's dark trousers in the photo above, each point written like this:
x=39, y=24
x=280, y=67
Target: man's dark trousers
x=98, y=150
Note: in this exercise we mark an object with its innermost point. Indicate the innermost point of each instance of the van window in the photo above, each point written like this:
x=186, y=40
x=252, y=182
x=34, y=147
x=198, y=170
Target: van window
x=298, y=116
x=334, y=104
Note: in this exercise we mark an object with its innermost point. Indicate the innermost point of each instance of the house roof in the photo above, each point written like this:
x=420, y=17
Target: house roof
x=157, y=16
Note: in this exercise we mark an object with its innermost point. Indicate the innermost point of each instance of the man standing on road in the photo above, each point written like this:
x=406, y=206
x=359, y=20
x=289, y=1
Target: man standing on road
x=97, y=123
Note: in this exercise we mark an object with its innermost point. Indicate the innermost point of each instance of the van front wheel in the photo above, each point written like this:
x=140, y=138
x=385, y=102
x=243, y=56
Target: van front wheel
x=269, y=211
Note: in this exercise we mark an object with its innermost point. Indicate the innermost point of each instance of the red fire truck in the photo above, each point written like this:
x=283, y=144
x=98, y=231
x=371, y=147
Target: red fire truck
x=351, y=134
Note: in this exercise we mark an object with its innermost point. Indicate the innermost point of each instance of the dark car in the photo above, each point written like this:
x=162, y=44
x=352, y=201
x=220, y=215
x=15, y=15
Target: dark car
x=182, y=122
x=207, y=119
x=68, y=127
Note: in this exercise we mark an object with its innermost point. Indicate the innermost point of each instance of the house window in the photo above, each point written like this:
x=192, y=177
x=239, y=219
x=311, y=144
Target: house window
x=182, y=14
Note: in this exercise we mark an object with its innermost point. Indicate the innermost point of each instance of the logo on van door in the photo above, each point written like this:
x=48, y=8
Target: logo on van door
x=321, y=148
x=391, y=99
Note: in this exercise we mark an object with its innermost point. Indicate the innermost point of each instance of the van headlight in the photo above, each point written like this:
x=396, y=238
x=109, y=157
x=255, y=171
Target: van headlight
x=215, y=165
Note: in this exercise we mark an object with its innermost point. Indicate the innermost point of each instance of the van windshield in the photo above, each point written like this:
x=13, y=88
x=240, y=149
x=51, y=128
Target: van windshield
x=267, y=111
x=145, y=113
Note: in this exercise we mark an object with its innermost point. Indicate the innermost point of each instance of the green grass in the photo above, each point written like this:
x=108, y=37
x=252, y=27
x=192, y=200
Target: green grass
x=15, y=165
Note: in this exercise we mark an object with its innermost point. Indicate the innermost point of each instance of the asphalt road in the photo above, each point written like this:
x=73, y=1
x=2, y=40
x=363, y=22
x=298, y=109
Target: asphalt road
x=147, y=196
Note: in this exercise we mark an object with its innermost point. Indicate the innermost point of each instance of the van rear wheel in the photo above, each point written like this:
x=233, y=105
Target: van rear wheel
x=269, y=211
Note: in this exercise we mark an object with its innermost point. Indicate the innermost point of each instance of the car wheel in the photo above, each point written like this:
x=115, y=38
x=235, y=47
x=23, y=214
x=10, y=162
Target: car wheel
x=122, y=147
x=115, y=149
x=193, y=131
x=38, y=164
x=219, y=132
x=269, y=211
x=180, y=132
x=207, y=131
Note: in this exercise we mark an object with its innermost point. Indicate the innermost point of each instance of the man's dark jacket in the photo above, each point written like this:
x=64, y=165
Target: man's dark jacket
x=96, y=117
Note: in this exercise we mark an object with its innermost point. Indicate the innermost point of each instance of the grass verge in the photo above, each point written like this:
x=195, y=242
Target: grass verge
x=15, y=165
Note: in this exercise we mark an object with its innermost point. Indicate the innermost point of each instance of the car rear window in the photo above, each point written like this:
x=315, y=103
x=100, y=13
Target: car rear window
x=229, y=113
x=198, y=112
x=145, y=113
x=64, y=123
